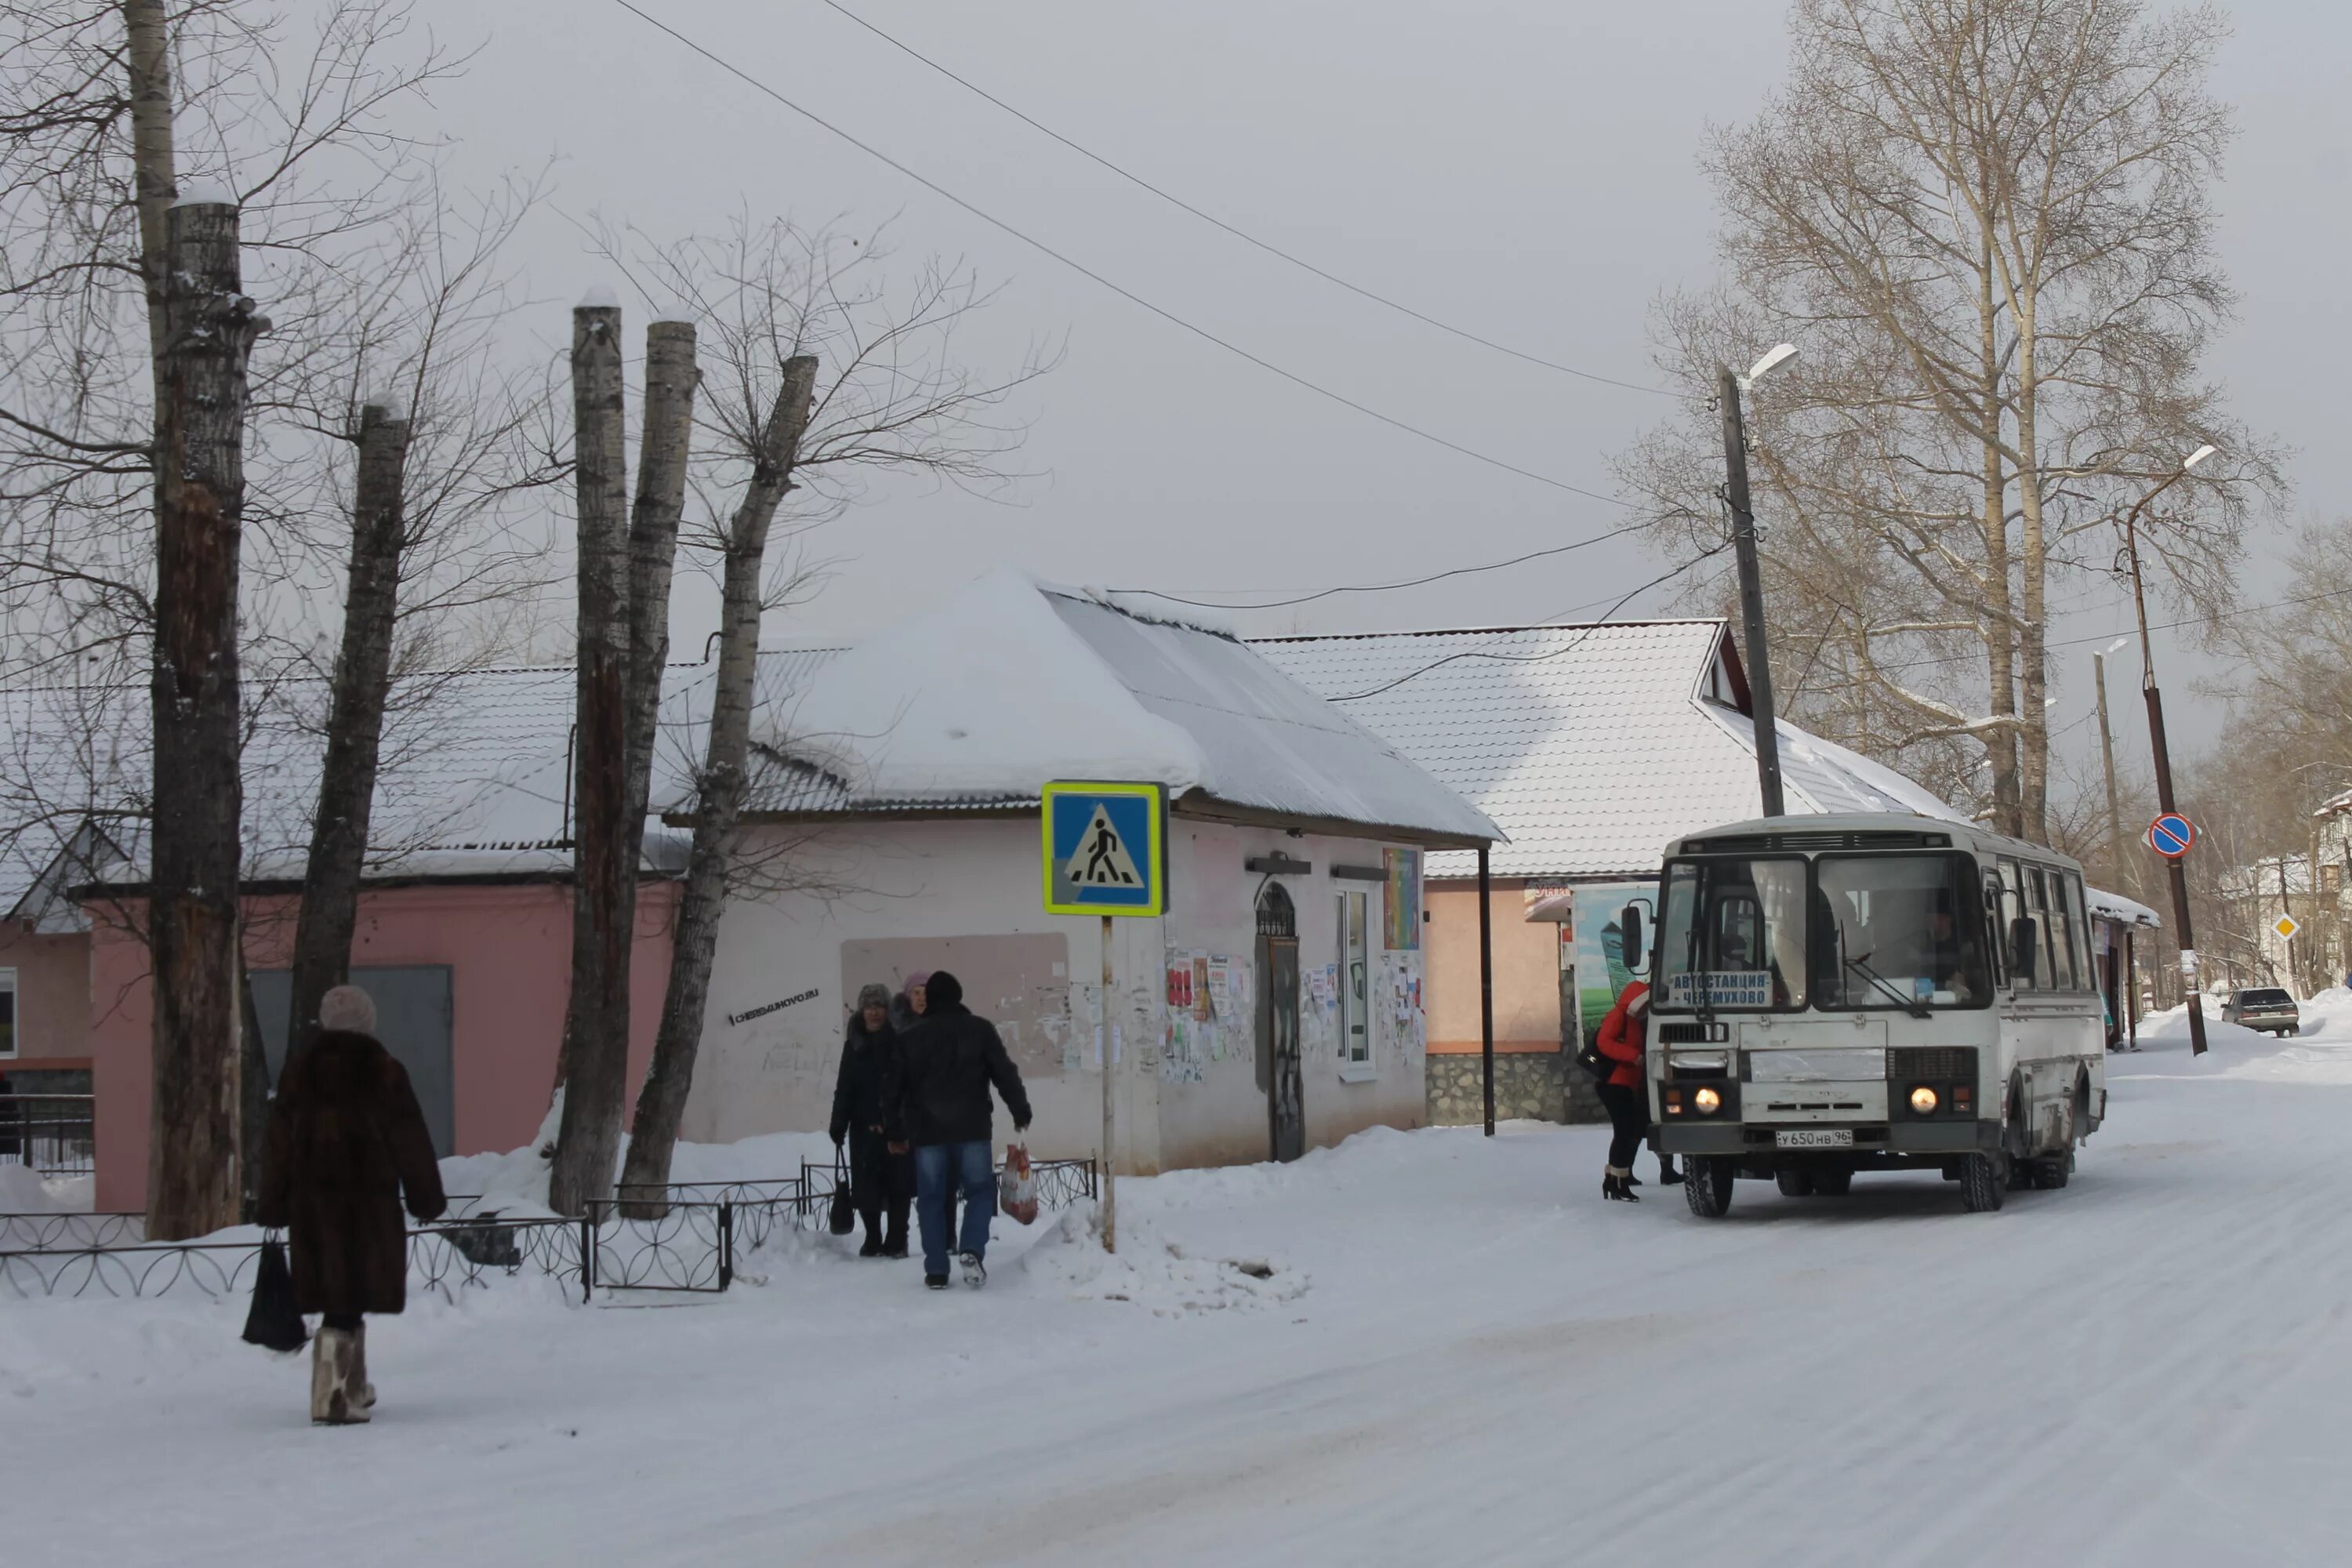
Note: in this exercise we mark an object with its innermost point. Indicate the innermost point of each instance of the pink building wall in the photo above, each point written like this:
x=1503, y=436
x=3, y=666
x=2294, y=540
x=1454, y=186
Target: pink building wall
x=52, y=997
x=508, y=948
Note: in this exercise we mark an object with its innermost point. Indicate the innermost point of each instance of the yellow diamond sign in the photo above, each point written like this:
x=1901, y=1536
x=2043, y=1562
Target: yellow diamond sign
x=2286, y=927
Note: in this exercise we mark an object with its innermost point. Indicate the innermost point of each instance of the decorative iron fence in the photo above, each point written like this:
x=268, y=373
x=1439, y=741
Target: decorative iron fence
x=52, y=1133
x=691, y=1247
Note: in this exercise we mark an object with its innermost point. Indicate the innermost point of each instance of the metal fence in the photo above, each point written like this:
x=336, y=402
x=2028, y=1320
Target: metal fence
x=691, y=1247
x=53, y=1134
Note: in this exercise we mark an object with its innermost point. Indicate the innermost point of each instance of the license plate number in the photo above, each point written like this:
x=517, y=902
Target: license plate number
x=1814, y=1138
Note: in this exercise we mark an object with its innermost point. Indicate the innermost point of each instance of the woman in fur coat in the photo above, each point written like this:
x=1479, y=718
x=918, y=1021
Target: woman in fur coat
x=347, y=1141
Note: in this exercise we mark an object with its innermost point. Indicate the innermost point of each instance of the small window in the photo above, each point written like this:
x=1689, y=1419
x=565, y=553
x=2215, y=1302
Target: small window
x=2014, y=908
x=2087, y=975
x=1355, y=980
x=7, y=1012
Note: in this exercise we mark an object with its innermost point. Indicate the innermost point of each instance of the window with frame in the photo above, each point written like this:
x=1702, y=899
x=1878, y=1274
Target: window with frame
x=1355, y=980
x=7, y=1012
x=2014, y=908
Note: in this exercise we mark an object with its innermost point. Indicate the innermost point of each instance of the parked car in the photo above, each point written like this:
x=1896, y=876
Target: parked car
x=2266, y=1008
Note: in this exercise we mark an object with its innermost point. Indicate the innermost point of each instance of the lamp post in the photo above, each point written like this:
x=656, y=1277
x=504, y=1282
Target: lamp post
x=2163, y=756
x=1751, y=581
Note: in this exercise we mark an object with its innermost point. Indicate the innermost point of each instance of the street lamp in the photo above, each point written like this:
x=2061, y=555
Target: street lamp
x=1751, y=581
x=2179, y=875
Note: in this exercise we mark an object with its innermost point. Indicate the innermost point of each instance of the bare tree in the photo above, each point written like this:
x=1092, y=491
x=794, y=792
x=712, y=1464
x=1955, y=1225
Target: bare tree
x=1987, y=223
x=826, y=374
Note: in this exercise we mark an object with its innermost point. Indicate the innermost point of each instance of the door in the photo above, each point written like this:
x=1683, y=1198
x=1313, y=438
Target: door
x=413, y=1018
x=1280, y=1072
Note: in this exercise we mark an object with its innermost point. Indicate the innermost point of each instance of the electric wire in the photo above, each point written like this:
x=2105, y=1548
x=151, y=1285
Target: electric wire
x=1387, y=587
x=1622, y=600
x=1129, y=295
x=1242, y=235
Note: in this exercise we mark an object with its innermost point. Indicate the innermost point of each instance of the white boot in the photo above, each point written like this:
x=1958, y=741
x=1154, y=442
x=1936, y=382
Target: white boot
x=331, y=1358
x=357, y=1385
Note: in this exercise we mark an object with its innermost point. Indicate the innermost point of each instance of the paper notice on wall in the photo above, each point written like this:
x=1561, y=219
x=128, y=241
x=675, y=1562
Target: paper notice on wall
x=1204, y=996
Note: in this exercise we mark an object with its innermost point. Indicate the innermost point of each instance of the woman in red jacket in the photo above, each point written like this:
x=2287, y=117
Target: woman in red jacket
x=1623, y=1093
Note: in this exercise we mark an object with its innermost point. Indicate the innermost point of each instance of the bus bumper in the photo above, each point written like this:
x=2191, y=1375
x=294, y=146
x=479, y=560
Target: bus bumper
x=1879, y=1142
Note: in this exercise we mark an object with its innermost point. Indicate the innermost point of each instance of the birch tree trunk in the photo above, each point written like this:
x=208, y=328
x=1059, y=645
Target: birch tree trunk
x=329, y=915
x=147, y=38
x=661, y=1103
x=670, y=380
x=593, y=1066
x=193, y=1182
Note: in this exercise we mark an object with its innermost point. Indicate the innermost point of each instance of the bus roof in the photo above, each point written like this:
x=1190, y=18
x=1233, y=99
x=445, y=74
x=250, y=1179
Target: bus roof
x=1892, y=830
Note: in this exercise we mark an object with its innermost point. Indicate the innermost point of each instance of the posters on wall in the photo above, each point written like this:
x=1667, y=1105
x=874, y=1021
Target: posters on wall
x=1400, y=905
x=1210, y=1013
x=1602, y=971
x=1398, y=1023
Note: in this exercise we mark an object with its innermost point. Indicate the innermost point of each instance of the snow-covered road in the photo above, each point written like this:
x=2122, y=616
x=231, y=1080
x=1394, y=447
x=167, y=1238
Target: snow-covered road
x=1460, y=1355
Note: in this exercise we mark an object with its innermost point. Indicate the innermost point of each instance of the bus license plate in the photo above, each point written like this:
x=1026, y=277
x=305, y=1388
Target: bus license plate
x=1814, y=1138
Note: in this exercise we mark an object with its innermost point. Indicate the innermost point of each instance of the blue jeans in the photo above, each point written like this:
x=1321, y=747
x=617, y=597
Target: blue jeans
x=964, y=1165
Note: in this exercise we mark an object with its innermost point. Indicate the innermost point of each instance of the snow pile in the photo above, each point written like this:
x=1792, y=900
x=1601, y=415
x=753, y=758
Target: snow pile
x=1153, y=1271
x=986, y=696
x=2320, y=1054
x=24, y=1190
x=514, y=1183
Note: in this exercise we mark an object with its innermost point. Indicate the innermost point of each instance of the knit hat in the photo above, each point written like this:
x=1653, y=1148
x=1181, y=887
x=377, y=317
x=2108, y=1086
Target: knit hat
x=916, y=981
x=943, y=990
x=873, y=993
x=348, y=1010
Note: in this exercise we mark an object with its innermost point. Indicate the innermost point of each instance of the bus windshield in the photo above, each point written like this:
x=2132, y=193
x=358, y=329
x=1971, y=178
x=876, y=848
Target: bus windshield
x=1731, y=935
x=1898, y=931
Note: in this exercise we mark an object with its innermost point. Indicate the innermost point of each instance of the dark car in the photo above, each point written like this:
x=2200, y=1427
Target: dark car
x=2266, y=1008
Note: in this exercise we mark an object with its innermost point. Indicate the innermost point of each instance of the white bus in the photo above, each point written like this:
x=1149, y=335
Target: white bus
x=1831, y=994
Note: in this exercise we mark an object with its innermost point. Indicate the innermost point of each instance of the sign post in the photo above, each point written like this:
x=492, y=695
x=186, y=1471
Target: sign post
x=1106, y=853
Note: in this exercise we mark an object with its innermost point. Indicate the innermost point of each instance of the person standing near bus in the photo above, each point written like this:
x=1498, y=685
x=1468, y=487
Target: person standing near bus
x=1622, y=1093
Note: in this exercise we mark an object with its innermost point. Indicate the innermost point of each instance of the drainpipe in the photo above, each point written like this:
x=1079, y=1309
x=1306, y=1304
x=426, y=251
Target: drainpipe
x=1486, y=985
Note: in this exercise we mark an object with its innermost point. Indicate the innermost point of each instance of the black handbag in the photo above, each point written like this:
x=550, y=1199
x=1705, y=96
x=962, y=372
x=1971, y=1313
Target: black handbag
x=273, y=1322
x=843, y=1218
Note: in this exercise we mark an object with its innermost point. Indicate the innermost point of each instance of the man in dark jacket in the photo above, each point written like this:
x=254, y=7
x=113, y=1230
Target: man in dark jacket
x=940, y=1102
x=878, y=1179
x=347, y=1141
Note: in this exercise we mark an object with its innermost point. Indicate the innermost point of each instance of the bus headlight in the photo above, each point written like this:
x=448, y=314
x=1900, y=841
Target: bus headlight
x=1708, y=1101
x=1922, y=1100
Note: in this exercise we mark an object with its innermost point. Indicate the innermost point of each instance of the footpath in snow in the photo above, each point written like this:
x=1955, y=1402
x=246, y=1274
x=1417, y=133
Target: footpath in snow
x=1417, y=1348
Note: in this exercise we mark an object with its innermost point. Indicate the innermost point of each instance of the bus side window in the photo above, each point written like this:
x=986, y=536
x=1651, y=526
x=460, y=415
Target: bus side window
x=1996, y=932
x=2086, y=967
x=2012, y=909
x=2048, y=901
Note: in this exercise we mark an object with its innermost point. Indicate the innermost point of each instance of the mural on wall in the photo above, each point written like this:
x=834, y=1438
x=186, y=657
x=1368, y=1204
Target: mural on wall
x=1400, y=905
x=1210, y=1013
x=1602, y=971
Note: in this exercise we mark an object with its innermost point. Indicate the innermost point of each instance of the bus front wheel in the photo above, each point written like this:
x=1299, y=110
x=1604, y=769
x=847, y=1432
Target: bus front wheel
x=1984, y=1183
x=1706, y=1185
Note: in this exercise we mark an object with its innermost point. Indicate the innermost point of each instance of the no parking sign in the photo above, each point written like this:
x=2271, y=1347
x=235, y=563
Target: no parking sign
x=2171, y=835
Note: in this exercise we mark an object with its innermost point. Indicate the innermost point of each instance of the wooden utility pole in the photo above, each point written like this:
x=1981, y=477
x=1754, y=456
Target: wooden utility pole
x=192, y=1181
x=593, y=1070
x=1751, y=594
x=661, y=1103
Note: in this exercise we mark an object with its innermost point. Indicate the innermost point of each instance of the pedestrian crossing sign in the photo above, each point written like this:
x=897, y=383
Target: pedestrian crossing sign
x=1105, y=848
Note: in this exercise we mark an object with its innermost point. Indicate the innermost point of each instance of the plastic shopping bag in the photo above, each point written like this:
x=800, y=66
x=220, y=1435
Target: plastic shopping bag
x=1016, y=1186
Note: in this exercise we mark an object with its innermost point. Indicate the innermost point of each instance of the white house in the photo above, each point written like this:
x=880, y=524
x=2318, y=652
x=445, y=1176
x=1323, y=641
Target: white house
x=894, y=829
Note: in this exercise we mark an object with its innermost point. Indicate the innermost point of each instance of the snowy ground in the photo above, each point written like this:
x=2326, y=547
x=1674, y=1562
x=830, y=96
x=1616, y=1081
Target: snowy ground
x=1455, y=1354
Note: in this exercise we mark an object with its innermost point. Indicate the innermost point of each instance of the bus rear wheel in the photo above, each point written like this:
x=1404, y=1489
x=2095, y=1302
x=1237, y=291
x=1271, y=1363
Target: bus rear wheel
x=1706, y=1185
x=1984, y=1183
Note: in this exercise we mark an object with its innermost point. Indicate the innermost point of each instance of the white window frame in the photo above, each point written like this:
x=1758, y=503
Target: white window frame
x=1355, y=947
x=9, y=1049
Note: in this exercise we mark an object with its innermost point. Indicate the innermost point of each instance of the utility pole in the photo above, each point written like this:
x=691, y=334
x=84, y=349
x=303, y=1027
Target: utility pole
x=2108, y=761
x=1751, y=590
x=2179, y=873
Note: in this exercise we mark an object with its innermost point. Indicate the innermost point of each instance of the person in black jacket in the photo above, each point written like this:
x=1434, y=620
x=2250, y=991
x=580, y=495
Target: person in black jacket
x=878, y=1179
x=938, y=1101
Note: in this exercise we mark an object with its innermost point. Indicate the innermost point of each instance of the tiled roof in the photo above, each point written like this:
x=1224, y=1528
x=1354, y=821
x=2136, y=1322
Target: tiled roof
x=1589, y=746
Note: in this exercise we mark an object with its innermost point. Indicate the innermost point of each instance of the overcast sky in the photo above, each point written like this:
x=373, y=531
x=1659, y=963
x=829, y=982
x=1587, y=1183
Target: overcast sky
x=1524, y=168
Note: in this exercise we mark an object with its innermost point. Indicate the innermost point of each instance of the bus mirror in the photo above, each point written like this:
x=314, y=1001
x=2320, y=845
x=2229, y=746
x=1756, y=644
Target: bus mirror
x=2024, y=942
x=1629, y=933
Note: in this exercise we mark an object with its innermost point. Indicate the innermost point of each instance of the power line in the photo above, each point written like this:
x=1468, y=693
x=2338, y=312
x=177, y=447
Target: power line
x=2125, y=632
x=1537, y=657
x=1129, y=295
x=1386, y=587
x=1244, y=235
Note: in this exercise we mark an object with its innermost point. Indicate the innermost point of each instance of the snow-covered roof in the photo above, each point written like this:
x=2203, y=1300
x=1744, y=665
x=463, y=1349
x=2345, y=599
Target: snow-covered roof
x=1590, y=746
x=2107, y=906
x=986, y=696
x=470, y=781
